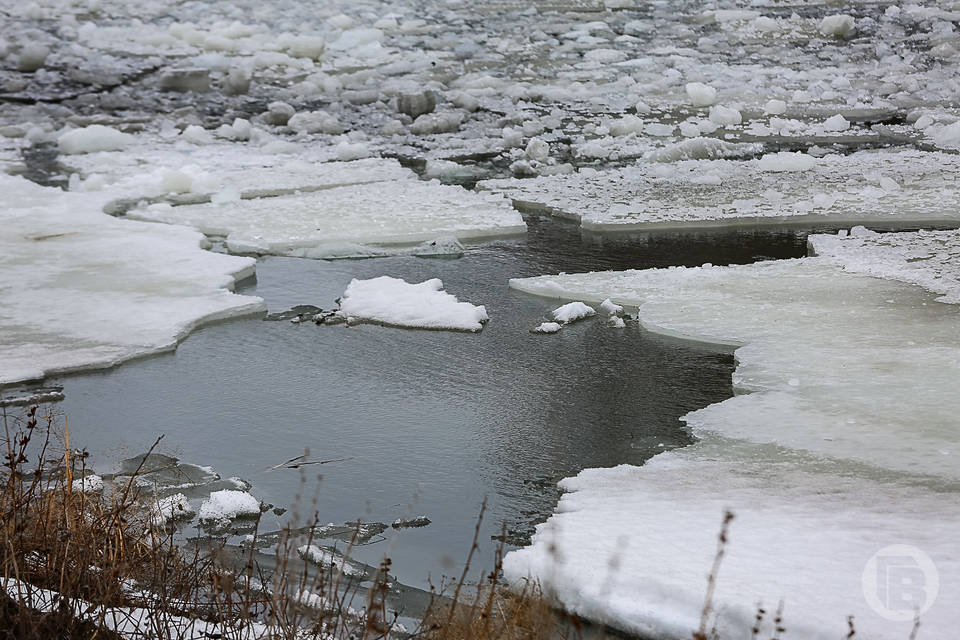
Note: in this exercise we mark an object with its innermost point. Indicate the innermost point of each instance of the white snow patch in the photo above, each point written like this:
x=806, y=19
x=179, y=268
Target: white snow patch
x=227, y=504
x=571, y=312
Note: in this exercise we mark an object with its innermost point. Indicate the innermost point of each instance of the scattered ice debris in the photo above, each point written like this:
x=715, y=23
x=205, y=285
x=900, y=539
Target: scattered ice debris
x=30, y=394
x=547, y=327
x=228, y=504
x=571, y=312
x=94, y=138
x=395, y=302
x=171, y=508
x=102, y=270
x=852, y=404
x=408, y=523
x=88, y=484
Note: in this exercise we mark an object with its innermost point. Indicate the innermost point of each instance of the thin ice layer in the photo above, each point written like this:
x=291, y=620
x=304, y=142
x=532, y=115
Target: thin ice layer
x=892, y=187
x=83, y=290
x=399, y=212
x=930, y=259
x=395, y=302
x=847, y=444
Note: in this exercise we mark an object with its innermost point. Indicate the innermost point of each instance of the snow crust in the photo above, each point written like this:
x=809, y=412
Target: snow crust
x=396, y=302
x=83, y=290
x=841, y=440
x=881, y=186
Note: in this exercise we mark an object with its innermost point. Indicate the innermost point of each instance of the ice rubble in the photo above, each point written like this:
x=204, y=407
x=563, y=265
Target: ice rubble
x=395, y=302
x=841, y=440
x=320, y=223
x=893, y=187
x=81, y=289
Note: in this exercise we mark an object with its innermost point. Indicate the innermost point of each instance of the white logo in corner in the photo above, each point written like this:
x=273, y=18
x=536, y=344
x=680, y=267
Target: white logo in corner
x=900, y=582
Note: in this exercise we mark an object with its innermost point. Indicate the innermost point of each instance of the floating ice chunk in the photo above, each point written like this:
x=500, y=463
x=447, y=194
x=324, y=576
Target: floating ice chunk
x=786, y=161
x=775, y=107
x=416, y=104
x=32, y=57
x=625, y=126
x=395, y=302
x=195, y=134
x=352, y=151
x=175, y=507
x=659, y=129
x=88, y=484
x=571, y=312
x=701, y=95
x=314, y=122
x=547, y=327
x=948, y=136
x=838, y=26
x=94, y=138
x=132, y=288
x=538, y=150
x=616, y=322
x=722, y=115
x=197, y=80
x=836, y=123
x=279, y=113
x=228, y=504
x=430, y=123
x=410, y=523
x=609, y=308
x=889, y=184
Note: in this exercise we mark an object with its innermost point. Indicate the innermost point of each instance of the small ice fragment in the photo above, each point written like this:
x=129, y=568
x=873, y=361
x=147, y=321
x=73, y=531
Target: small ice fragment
x=94, y=138
x=701, y=95
x=775, y=107
x=609, y=308
x=837, y=26
x=547, y=327
x=279, y=113
x=571, y=312
x=785, y=161
x=32, y=57
x=722, y=115
x=889, y=185
x=616, y=322
x=196, y=134
x=836, y=123
x=538, y=150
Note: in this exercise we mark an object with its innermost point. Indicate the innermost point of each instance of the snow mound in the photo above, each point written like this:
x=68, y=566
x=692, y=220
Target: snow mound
x=547, y=327
x=175, y=507
x=571, y=312
x=395, y=302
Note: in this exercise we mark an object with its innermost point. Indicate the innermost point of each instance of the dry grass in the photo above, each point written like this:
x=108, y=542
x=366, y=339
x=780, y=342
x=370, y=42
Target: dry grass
x=78, y=564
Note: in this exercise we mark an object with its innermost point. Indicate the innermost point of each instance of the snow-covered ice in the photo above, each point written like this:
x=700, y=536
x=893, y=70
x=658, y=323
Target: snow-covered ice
x=83, y=290
x=841, y=441
x=836, y=189
x=171, y=508
x=395, y=302
x=228, y=504
x=319, y=223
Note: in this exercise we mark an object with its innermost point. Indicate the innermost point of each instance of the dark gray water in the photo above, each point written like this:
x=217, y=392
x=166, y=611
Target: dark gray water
x=438, y=419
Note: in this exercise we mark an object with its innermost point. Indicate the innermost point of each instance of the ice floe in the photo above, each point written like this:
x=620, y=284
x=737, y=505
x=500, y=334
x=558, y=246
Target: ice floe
x=840, y=442
x=83, y=290
x=395, y=302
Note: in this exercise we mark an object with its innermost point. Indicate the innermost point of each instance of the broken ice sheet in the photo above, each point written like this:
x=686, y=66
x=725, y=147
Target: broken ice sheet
x=320, y=223
x=103, y=270
x=842, y=440
x=894, y=187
